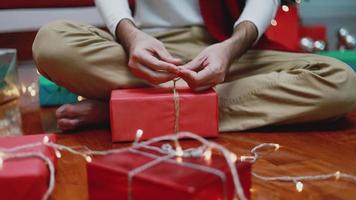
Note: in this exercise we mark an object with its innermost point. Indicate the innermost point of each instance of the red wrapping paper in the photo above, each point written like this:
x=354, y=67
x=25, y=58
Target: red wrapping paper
x=153, y=111
x=25, y=178
x=108, y=179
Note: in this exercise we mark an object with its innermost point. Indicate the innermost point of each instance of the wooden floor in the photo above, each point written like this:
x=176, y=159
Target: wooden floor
x=306, y=150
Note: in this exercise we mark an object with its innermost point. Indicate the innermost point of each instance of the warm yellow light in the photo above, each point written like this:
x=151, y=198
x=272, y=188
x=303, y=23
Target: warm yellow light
x=24, y=89
x=45, y=139
x=276, y=147
x=337, y=175
x=1, y=163
x=33, y=93
x=274, y=22
x=179, y=159
x=139, y=133
x=285, y=8
x=207, y=155
x=88, y=159
x=80, y=98
x=233, y=157
x=299, y=186
x=179, y=151
x=252, y=190
x=247, y=158
x=58, y=154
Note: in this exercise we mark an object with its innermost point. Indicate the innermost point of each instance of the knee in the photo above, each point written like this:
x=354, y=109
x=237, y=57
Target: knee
x=339, y=84
x=48, y=44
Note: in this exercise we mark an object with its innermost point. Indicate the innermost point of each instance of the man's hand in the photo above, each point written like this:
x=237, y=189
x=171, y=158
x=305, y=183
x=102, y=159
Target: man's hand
x=209, y=68
x=148, y=58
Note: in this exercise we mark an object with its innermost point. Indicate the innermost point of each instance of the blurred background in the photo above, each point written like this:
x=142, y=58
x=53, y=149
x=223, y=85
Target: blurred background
x=333, y=13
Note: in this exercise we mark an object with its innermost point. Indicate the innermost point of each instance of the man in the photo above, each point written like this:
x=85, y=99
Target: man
x=169, y=39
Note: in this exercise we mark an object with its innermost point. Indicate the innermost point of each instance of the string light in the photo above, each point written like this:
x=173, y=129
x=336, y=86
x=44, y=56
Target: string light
x=274, y=22
x=45, y=139
x=276, y=147
x=299, y=186
x=58, y=153
x=247, y=159
x=179, y=151
x=337, y=175
x=298, y=1
x=169, y=152
x=24, y=89
x=1, y=162
x=179, y=159
x=88, y=159
x=139, y=134
x=233, y=157
x=80, y=98
x=285, y=8
x=207, y=155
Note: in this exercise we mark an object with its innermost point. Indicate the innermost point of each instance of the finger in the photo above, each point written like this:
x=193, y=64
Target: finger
x=198, y=80
x=156, y=64
x=151, y=75
x=166, y=56
x=194, y=83
x=194, y=65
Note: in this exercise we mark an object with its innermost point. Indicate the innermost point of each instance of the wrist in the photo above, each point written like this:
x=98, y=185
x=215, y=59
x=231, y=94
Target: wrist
x=242, y=39
x=126, y=32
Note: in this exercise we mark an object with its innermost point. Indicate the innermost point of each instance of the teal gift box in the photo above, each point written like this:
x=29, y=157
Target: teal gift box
x=54, y=95
x=347, y=56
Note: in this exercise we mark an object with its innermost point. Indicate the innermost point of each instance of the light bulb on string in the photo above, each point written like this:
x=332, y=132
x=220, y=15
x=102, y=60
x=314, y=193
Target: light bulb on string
x=45, y=139
x=58, y=154
x=276, y=147
x=179, y=151
x=88, y=159
x=274, y=22
x=299, y=186
x=247, y=159
x=285, y=8
x=139, y=134
x=1, y=163
x=207, y=155
x=233, y=157
x=337, y=175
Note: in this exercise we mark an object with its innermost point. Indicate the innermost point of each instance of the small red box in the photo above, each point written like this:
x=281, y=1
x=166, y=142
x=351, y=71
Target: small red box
x=108, y=178
x=153, y=111
x=25, y=178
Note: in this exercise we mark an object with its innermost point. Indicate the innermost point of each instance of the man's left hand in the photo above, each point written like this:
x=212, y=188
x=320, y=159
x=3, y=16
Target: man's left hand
x=208, y=68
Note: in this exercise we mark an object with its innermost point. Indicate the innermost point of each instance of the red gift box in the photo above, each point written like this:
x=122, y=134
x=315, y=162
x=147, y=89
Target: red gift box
x=153, y=110
x=25, y=178
x=108, y=177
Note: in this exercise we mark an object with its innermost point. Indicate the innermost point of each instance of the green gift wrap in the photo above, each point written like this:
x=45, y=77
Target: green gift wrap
x=54, y=95
x=9, y=87
x=347, y=56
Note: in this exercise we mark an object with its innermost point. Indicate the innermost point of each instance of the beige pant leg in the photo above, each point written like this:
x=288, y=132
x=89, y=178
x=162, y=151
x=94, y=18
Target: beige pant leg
x=83, y=59
x=270, y=87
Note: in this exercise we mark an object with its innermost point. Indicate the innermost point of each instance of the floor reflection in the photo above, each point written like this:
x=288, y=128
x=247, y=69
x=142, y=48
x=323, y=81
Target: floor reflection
x=10, y=118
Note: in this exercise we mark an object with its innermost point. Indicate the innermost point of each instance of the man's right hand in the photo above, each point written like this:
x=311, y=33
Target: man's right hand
x=148, y=58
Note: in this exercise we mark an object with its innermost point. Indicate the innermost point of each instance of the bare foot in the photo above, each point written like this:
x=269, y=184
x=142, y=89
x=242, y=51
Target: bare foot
x=86, y=112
